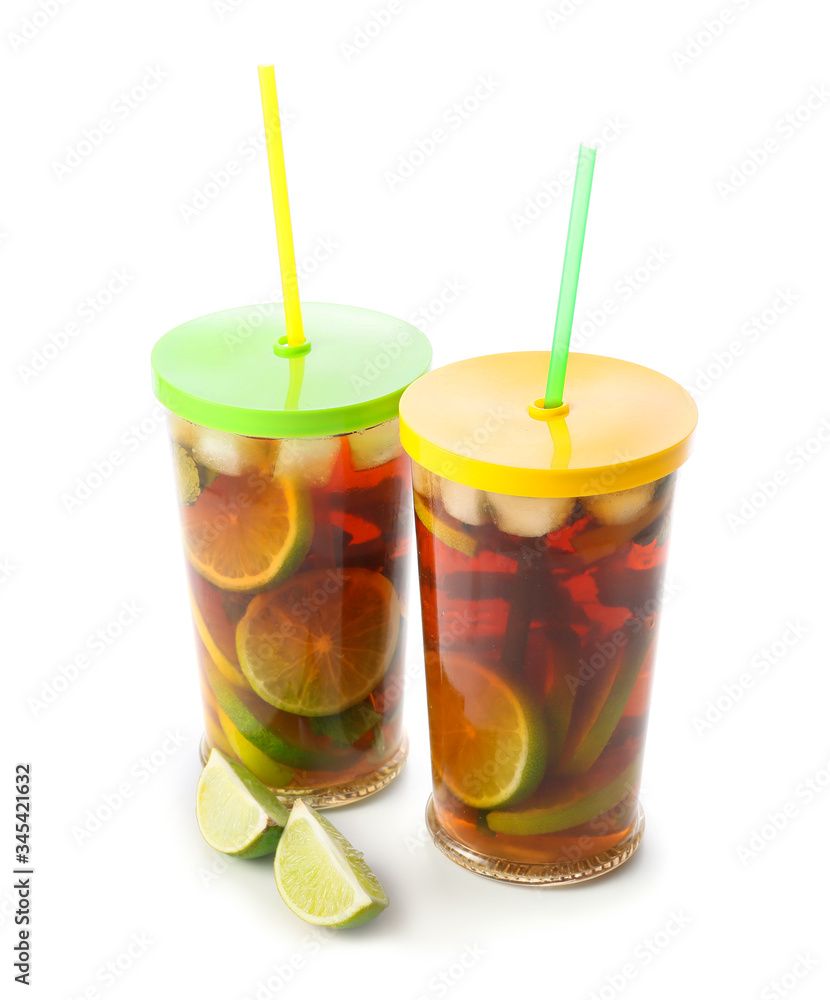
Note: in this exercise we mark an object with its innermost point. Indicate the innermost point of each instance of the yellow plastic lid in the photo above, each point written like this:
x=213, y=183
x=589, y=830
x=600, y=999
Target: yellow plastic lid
x=481, y=422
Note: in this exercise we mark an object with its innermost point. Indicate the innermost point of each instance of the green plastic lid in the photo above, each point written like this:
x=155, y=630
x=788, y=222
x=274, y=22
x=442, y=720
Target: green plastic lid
x=222, y=371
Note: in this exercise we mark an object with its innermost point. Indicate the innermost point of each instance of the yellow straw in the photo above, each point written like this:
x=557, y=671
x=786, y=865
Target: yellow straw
x=282, y=216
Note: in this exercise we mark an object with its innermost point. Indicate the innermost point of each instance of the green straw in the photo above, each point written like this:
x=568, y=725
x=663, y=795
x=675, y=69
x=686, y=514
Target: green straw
x=570, y=277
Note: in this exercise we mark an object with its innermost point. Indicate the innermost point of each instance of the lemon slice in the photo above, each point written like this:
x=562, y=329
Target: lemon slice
x=455, y=539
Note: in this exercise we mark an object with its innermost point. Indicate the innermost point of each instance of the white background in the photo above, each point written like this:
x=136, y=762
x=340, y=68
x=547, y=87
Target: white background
x=750, y=906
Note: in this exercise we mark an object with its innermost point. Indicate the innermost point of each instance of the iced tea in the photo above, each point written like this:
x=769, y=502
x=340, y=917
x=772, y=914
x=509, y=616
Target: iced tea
x=297, y=551
x=539, y=620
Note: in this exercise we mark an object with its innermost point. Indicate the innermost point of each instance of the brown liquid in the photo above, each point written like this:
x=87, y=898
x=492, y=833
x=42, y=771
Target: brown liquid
x=569, y=619
x=361, y=519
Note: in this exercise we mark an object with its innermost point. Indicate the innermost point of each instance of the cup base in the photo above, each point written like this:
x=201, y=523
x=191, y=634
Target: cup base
x=330, y=796
x=554, y=874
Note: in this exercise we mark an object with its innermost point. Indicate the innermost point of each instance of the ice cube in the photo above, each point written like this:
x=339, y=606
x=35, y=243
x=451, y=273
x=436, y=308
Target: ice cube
x=230, y=454
x=307, y=462
x=529, y=517
x=463, y=502
x=181, y=431
x=423, y=481
x=376, y=446
x=621, y=507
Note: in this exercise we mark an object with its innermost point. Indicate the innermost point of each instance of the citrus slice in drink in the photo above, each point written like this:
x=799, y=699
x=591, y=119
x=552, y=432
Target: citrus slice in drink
x=217, y=637
x=236, y=813
x=234, y=705
x=321, y=642
x=246, y=533
x=570, y=803
x=321, y=877
x=493, y=748
x=455, y=539
x=269, y=771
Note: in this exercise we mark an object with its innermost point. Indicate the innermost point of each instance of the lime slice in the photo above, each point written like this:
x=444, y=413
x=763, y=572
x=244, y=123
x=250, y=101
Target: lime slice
x=455, y=539
x=259, y=764
x=631, y=657
x=321, y=877
x=572, y=804
x=236, y=813
x=492, y=746
x=257, y=733
x=321, y=642
x=244, y=533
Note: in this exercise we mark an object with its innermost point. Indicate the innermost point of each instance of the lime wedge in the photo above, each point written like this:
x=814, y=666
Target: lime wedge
x=321, y=877
x=236, y=813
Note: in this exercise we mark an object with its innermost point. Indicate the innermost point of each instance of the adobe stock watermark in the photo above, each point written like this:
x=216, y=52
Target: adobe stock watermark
x=750, y=333
x=219, y=865
x=7, y=569
x=383, y=359
x=420, y=840
x=557, y=16
x=269, y=645
x=111, y=972
x=33, y=23
x=536, y=204
x=113, y=801
x=760, y=663
x=450, y=976
x=797, y=459
x=454, y=118
x=86, y=312
x=288, y=970
x=705, y=36
x=623, y=291
x=777, y=821
x=375, y=24
x=204, y=194
x=785, y=129
x=471, y=444
x=119, y=111
x=430, y=312
x=645, y=953
x=95, y=644
x=224, y=8
x=801, y=967
x=308, y=263
x=104, y=468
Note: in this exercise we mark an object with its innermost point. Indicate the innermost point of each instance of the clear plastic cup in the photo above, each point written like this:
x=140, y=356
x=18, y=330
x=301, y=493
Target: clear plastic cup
x=540, y=605
x=297, y=548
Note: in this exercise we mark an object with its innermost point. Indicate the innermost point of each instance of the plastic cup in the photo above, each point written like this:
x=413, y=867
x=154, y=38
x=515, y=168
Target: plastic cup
x=294, y=498
x=542, y=543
